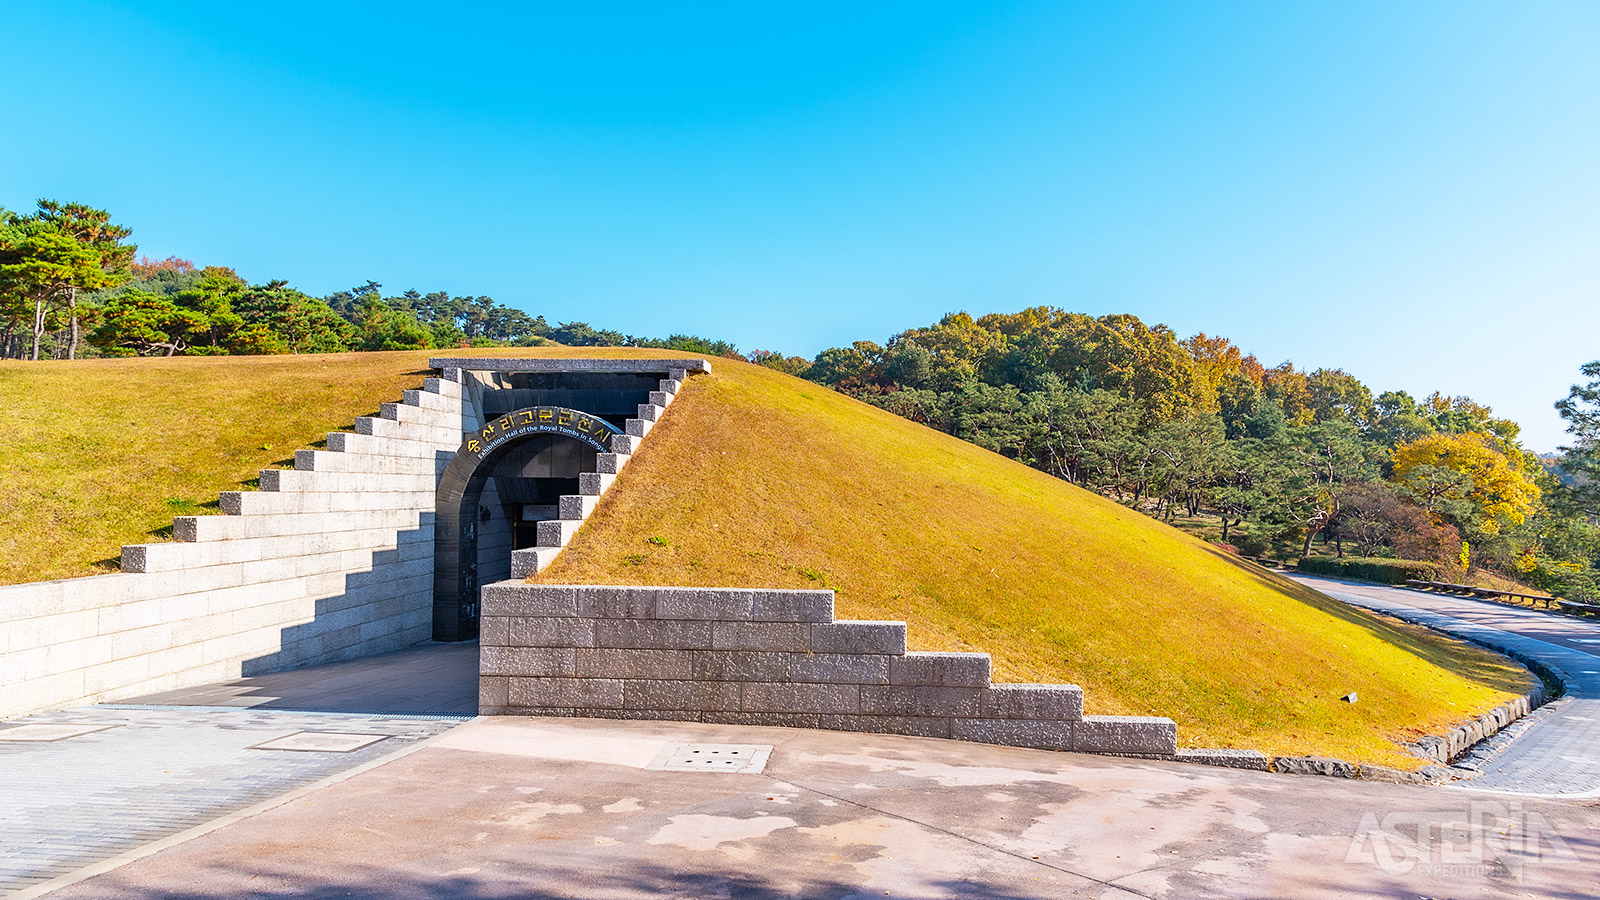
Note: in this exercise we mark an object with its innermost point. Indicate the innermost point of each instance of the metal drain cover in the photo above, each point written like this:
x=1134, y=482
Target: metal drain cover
x=321, y=742
x=747, y=759
x=44, y=732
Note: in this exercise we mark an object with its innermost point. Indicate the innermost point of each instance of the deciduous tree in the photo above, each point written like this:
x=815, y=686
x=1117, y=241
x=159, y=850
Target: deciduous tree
x=1496, y=484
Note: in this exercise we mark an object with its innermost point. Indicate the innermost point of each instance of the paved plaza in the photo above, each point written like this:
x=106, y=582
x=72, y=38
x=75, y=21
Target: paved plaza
x=67, y=803
x=551, y=808
x=182, y=798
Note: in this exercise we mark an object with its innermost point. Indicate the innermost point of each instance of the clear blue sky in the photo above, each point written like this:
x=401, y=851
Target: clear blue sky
x=1410, y=191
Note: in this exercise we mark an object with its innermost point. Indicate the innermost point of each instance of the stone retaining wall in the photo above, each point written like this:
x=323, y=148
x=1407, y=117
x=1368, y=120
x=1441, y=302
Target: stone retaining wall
x=765, y=657
x=330, y=560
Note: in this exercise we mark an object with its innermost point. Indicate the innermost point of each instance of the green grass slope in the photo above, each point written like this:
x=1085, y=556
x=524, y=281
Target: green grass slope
x=101, y=453
x=757, y=479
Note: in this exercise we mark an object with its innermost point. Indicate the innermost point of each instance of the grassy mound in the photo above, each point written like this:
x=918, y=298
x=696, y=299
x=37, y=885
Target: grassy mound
x=757, y=479
x=101, y=453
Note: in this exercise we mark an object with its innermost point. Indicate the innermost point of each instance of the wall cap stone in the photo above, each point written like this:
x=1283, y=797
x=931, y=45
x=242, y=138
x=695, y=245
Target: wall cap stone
x=556, y=364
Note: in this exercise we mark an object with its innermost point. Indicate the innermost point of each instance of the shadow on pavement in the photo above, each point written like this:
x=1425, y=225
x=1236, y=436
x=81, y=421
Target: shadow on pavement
x=428, y=679
x=634, y=879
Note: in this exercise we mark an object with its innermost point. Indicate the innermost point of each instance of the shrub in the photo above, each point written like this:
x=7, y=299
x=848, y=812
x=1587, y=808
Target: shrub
x=1387, y=571
x=1252, y=544
x=1426, y=539
x=1574, y=581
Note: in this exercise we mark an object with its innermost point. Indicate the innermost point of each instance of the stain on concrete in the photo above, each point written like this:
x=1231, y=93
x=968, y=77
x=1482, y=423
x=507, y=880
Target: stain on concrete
x=703, y=832
x=522, y=815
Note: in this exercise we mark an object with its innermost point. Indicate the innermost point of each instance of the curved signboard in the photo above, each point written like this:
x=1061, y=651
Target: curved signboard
x=592, y=430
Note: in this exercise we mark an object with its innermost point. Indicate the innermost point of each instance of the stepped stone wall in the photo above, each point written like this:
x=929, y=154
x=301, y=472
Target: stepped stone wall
x=330, y=560
x=765, y=657
x=553, y=535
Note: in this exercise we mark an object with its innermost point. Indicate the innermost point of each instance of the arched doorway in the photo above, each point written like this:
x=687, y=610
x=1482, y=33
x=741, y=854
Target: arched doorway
x=532, y=453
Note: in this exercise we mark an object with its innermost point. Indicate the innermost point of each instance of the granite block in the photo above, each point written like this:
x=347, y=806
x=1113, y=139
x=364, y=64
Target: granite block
x=951, y=669
x=635, y=664
x=920, y=700
x=1151, y=735
x=859, y=637
x=1043, y=735
x=541, y=661
x=801, y=698
x=917, y=726
x=1032, y=701
x=569, y=693
x=690, y=695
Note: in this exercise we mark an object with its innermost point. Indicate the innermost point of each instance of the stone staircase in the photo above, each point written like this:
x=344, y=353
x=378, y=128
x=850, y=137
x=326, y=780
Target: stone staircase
x=330, y=560
x=554, y=534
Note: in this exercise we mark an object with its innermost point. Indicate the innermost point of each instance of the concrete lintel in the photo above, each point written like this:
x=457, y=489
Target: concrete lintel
x=557, y=364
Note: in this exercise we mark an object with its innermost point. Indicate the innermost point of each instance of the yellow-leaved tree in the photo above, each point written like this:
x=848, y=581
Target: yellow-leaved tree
x=1468, y=478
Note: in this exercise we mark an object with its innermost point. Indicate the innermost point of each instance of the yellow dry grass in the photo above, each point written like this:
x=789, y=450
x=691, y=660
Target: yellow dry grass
x=756, y=479
x=101, y=453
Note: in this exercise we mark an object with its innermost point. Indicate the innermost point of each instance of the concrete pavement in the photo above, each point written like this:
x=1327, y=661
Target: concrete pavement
x=139, y=775
x=546, y=808
x=1558, y=752
x=174, y=761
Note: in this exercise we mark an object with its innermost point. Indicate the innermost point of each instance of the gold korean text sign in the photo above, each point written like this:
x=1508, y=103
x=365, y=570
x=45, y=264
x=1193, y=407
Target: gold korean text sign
x=532, y=420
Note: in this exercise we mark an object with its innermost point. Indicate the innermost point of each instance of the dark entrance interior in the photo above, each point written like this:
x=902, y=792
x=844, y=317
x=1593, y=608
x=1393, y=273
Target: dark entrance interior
x=508, y=478
x=531, y=478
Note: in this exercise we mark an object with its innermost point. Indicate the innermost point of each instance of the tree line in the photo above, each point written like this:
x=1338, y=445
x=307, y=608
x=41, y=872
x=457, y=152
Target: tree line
x=1279, y=461
x=71, y=287
x=1263, y=460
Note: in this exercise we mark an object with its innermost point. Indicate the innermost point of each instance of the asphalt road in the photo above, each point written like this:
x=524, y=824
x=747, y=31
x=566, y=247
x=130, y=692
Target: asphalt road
x=1557, y=752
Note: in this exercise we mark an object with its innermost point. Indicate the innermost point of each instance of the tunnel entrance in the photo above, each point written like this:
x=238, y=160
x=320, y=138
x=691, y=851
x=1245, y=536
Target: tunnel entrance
x=504, y=479
x=531, y=427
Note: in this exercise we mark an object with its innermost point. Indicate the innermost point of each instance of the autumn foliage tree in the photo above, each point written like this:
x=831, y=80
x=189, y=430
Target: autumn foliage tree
x=1469, y=478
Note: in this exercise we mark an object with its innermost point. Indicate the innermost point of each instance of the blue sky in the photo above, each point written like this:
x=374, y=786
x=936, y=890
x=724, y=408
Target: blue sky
x=1410, y=191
